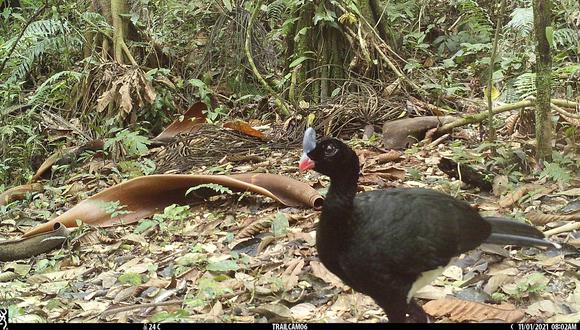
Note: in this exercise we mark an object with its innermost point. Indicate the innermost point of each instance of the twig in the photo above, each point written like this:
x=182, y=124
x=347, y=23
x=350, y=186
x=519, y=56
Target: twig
x=139, y=306
x=438, y=141
x=563, y=229
x=566, y=103
x=482, y=116
x=30, y=20
x=571, y=117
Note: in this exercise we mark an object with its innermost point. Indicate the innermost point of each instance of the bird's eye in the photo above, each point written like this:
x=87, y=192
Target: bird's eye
x=330, y=150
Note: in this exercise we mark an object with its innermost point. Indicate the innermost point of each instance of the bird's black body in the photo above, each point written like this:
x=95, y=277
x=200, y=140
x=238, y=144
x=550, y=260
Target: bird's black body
x=381, y=242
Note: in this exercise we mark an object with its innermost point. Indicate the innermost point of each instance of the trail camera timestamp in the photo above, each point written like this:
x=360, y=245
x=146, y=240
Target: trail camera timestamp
x=545, y=326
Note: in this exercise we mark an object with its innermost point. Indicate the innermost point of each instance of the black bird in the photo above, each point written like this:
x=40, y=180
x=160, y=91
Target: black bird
x=388, y=244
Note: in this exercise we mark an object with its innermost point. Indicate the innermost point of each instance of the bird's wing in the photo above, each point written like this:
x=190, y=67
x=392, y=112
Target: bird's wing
x=412, y=231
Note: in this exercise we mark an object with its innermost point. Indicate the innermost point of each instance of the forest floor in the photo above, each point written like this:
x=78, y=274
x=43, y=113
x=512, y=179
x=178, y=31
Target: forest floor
x=245, y=258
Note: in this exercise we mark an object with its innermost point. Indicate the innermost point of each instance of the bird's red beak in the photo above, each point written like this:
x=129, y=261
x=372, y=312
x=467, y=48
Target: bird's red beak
x=305, y=163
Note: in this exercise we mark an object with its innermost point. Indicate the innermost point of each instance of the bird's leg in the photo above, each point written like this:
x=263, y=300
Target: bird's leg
x=404, y=313
x=395, y=312
x=416, y=314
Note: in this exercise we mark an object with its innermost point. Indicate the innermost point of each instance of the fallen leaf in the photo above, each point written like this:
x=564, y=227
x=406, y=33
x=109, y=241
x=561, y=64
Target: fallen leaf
x=542, y=309
x=244, y=128
x=567, y=318
x=431, y=292
x=495, y=282
x=324, y=274
x=275, y=313
x=453, y=272
x=303, y=311
x=468, y=311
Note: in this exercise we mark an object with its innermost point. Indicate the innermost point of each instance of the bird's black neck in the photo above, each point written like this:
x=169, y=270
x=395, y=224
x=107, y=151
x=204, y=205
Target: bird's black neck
x=338, y=204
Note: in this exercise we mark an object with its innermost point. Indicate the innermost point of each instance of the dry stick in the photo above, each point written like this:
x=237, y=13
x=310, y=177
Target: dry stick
x=528, y=102
x=138, y=306
x=264, y=83
x=482, y=116
x=565, y=228
x=38, y=12
x=566, y=104
x=564, y=112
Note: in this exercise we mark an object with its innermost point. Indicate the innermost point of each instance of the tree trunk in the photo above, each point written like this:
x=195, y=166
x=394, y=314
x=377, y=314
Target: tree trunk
x=118, y=8
x=542, y=21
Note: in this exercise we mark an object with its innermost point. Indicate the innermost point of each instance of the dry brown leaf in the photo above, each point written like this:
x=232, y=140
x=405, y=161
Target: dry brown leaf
x=389, y=173
x=244, y=128
x=567, y=318
x=431, y=292
x=511, y=121
x=513, y=197
x=191, y=121
x=538, y=218
x=495, y=282
x=150, y=94
x=324, y=274
x=107, y=97
x=125, y=104
x=303, y=311
x=468, y=311
x=255, y=228
x=290, y=274
x=147, y=195
x=500, y=185
x=19, y=192
x=389, y=156
x=542, y=309
x=275, y=313
x=157, y=283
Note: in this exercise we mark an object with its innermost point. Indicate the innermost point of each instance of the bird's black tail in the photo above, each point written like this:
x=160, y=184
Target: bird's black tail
x=511, y=232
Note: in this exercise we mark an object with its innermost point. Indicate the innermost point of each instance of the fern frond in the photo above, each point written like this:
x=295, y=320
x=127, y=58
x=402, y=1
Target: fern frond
x=566, y=37
x=277, y=9
x=40, y=47
x=475, y=16
x=51, y=81
x=525, y=85
x=522, y=21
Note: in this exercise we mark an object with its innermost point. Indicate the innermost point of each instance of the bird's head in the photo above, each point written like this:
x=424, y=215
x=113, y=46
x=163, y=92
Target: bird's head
x=329, y=156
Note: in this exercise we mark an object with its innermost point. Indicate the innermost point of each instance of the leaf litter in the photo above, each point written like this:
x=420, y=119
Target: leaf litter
x=244, y=258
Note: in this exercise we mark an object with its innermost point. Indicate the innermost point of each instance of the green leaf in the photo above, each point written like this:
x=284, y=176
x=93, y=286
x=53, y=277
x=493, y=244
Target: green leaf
x=556, y=173
x=335, y=92
x=280, y=224
x=228, y=4
x=323, y=14
x=297, y=61
x=301, y=32
x=130, y=278
x=223, y=266
x=144, y=225
x=213, y=186
x=197, y=83
x=550, y=36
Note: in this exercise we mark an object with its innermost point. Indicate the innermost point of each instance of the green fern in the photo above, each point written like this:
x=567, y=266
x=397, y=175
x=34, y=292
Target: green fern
x=40, y=38
x=525, y=85
x=555, y=172
x=278, y=9
x=213, y=186
x=566, y=37
x=50, y=84
x=475, y=16
x=522, y=21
